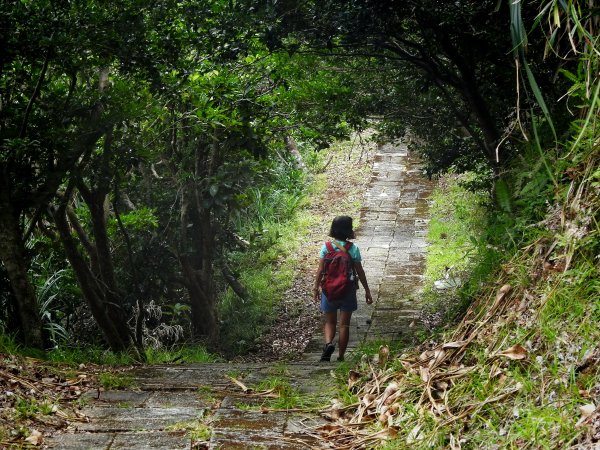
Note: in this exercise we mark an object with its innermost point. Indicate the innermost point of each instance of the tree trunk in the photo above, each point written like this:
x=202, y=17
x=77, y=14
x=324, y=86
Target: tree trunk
x=12, y=256
x=468, y=87
x=197, y=266
x=234, y=283
x=102, y=299
x=491, y=136
x=112, y=295
x=200, y=287
x=290, y=143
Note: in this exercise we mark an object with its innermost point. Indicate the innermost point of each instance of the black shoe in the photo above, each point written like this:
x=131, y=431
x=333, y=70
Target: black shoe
x=340, y=358
x=328, y=350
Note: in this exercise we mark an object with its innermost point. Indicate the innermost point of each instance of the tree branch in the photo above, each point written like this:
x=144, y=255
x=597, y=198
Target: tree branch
x=234, y=283
x=34, y=96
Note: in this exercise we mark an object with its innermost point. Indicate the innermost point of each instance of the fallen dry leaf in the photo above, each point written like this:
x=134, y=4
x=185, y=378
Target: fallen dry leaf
x=329, y=428
x=384, y=353
x=424, y=373
x=438, y=356
x=368, y=399
x=392, y=432
x=454, y=443
x=503, y=291
x=455, y=344
x=35, y=438
x=515, y=352
x=414, y=435
x=389, y=390
x=353, y=378
x=441, y=385
x=242, y=386
x=586, y=411
x=384, y=415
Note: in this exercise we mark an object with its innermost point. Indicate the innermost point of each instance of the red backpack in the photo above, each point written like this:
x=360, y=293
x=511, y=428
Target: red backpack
x=338, y=274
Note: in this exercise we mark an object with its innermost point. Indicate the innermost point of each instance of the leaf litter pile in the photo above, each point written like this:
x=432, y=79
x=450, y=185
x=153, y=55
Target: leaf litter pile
x=37, y=399
x=419, y=396
x=520, y=370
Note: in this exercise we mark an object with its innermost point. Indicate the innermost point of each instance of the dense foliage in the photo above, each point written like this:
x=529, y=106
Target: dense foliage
x=133, y=135
x=446, y=71
x=140, y=142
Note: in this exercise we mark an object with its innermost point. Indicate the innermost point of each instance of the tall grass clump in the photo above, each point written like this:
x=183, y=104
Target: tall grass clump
x=90, y=354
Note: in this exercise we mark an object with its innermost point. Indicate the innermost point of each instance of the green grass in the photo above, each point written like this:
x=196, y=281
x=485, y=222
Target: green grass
x=460, y=249
x=266, y=273
x=199, y=430
x=458, y=221
x=288, y=396
x=180, y=355
x=90, y=354
x=279, y=368
x=63, y=358
x=9, y=345
x=542, y=414
x=205, y=393
x=29, y=408
x=112, y=380
x=97, y=355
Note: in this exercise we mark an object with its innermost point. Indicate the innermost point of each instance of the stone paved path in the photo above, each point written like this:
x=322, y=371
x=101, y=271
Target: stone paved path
x=167, y=399
x=391, y=238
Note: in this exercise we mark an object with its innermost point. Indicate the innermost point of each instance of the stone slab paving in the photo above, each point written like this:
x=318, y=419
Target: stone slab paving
x=403, y=217
x=391, y=236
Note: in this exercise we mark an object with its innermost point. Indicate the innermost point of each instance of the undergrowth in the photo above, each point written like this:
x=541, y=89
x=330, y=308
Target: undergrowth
x=521, y=369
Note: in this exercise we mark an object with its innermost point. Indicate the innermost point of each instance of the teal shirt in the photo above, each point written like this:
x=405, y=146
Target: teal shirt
x=354, y=251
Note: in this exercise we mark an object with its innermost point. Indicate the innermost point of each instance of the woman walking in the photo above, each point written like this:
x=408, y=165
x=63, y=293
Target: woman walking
x=342, y=292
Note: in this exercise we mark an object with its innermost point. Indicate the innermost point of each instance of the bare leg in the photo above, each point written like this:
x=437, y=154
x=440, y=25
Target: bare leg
x=344, y=331
x=329, y=327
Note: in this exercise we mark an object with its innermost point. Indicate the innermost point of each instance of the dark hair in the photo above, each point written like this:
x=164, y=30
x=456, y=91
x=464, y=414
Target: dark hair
x=341, y=228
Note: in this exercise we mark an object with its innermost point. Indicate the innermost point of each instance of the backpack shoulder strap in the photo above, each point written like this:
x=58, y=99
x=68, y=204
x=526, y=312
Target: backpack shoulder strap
x=329, y=246
x=342, y=248
x=348, y=246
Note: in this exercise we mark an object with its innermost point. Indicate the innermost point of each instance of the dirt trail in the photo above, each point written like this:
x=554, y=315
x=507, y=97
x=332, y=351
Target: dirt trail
x=167, y=399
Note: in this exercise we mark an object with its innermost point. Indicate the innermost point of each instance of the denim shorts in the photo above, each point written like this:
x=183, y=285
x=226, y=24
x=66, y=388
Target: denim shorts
x=346, y=304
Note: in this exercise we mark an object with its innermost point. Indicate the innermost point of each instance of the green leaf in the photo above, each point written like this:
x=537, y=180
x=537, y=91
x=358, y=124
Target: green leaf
x=503, y=196
x=519, y=39
x=539, y=97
